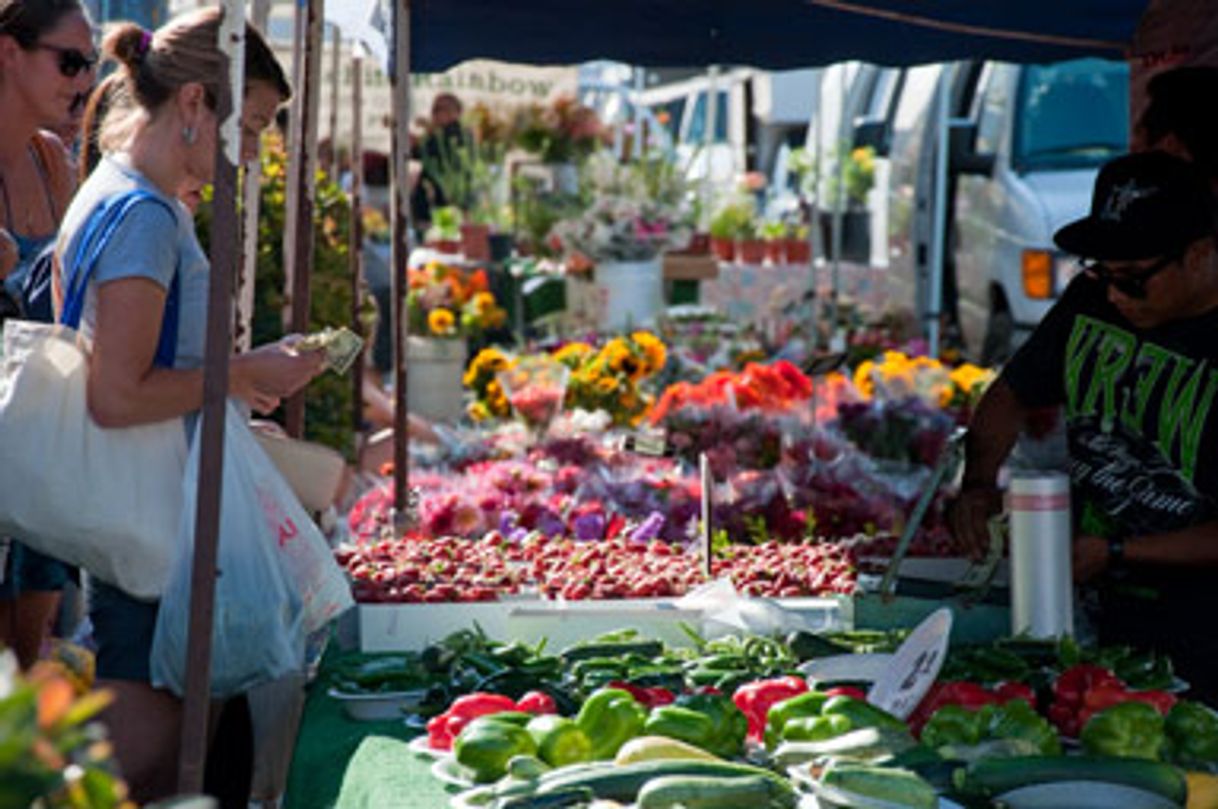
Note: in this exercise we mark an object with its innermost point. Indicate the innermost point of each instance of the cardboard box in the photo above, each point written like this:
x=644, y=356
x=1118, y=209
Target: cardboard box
x=687, y=267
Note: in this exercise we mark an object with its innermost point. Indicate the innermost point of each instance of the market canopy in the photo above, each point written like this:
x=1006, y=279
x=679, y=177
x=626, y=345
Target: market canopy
x=771, y=34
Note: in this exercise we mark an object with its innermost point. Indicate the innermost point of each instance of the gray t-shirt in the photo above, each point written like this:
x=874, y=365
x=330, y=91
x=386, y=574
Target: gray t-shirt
x=150, y=242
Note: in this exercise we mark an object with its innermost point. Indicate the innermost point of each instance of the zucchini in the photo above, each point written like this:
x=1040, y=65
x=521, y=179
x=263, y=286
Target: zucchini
x=990, y=778
x=705, y=792
x=575, y=796
x=526, y=768
x=864, y=744
x=623, y=783
x=896, y=786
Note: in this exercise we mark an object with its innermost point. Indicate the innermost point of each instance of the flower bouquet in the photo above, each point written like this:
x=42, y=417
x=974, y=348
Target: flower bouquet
x=535, y=388
x=446, y=301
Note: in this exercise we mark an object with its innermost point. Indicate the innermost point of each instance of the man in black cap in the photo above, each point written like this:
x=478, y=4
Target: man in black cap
x=1130, y=355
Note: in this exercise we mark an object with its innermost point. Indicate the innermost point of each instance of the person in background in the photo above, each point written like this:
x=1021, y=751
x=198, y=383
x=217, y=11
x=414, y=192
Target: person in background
x=440, y=154
x=162, y=142
x=47, y=60
x=1181, y=119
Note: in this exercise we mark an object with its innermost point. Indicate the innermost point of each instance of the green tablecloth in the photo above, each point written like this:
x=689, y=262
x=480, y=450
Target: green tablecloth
x=344, y=764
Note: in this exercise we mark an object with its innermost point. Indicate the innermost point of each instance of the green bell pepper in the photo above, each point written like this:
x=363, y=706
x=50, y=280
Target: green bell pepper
x=811, y=703
x=1192, y=734
x=955, y=725
x=1019, y=720
x=1127, y=730
x=711, y=722
x=862, y=714
x=610, y=717
x=486, y=745
x=559, y=740
x=815, y=728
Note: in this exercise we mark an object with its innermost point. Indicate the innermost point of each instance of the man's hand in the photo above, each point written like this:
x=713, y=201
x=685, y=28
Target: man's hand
x=1090, y=557
x=968, y=516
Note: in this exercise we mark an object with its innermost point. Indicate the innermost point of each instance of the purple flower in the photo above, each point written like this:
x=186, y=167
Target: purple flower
x=517, y=535
x=649, y=529
x=589, y=526
x=549, y=524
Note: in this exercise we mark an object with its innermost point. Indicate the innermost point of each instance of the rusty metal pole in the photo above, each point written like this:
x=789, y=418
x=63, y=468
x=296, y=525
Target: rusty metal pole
x=355, y=248
x=399, y=75
x=333, y=169
x=304, y=179
x=224, y=246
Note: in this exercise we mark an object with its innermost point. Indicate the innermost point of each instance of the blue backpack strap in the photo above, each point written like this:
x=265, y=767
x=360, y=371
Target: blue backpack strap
x=98, y=230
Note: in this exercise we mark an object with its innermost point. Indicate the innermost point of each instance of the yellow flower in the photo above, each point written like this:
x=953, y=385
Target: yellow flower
x=441, y=322
x=630, y=400
x=573, y=354
x=478, y=411
x=616, y=354
x=654, y=353
x=863, y=380
x=606, y=384
x=484, y=303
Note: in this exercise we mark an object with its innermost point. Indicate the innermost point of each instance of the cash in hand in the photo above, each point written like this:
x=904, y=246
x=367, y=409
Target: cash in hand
x=342, y=347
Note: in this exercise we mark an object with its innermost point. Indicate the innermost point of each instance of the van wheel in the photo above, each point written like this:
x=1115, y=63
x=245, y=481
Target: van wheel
x=999, y=335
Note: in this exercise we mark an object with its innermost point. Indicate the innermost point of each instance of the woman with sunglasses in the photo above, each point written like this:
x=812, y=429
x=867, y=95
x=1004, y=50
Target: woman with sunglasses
x=1129, y=355
x=46, y=65
x=161, y=139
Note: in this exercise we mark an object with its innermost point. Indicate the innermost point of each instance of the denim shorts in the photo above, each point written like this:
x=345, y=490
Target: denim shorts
x=26, y=570
x=122, y=631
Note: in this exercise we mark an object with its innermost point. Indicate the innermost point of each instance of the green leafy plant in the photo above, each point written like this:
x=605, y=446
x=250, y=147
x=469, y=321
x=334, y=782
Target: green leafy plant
x=328, y=397
x=773, y=230
x=445, y=223
x=857, y=175
x=733, y=220
x=51, y=753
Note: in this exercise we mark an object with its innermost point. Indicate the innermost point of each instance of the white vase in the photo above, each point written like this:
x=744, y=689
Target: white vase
x=434, y=367
x=631, y=293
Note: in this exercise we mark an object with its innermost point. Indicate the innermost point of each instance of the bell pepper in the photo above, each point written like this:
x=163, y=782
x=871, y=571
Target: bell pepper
x=537, y=702
x=730, y=724
x=1127, y=730
x=559, y=740
x=811, y=703
x=1008, y=691
x=815, y=728
x=648, y=697
x=1192, y=734
x=443, y=729
x=1017, y=719
x=610, y=717
x=954, y=725
x=953, y=692
x=486, y=745
x=862, y=714
x=847, y=691
x=756, y=698
x=1072, y=685
x=1105, y=696
x=683, y=724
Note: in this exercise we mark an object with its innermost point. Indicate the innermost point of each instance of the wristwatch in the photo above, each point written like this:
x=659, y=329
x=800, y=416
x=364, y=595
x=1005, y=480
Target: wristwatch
x=1116, y=551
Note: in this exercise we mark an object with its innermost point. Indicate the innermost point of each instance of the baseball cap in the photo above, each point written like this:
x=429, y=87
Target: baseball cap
x=1144, y=205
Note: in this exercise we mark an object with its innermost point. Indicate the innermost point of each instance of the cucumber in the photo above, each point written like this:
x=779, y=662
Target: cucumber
x=575, y=796
x=623, y=783
x=703, y=792
x=865, y=744
x=899, y=787
x=993, y=777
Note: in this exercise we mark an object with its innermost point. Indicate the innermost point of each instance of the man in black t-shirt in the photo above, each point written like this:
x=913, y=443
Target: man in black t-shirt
x=1129, y=354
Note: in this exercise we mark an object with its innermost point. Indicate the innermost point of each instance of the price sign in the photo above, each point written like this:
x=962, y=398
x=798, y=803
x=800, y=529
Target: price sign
x=914, y=666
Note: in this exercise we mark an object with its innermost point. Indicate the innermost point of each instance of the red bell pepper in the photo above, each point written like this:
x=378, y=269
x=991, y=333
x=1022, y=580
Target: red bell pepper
x=538, y=702
x=1074, y=683
x=965, y=694
x=647, y=697
x=443, y=729
x=1066, y=719
x=756, y=698
x=1105, y=696
x=848, y=691
x=1008, y=691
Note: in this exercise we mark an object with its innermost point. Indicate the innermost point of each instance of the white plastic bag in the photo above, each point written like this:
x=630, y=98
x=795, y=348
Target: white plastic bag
x=277, y=580
x=106, y=500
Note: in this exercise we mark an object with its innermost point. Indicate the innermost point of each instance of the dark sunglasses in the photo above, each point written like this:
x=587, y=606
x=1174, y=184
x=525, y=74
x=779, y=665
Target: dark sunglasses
x=1129, y=285
x=71, y=60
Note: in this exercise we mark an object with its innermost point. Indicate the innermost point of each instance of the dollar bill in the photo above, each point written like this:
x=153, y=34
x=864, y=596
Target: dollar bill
x=342, y=347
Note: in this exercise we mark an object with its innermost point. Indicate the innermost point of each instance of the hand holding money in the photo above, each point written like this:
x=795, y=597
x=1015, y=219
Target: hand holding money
x=342, y=347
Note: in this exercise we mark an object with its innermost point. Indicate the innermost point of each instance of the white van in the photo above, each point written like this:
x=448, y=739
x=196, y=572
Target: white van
x=1026, y=143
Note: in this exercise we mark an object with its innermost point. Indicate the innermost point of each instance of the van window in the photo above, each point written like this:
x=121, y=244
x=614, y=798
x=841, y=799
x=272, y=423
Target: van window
x=669, y=115
x=1071, y=115
x=697, y=123
x=995, y=99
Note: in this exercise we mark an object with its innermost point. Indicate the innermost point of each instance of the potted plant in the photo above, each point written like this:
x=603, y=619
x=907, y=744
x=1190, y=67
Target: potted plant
x=632, y=214
x=798, y=250
x=774, y=233
x=750, y=249
x=730, y=222
x=445, y=231
x=856, y=179
x=444, y=306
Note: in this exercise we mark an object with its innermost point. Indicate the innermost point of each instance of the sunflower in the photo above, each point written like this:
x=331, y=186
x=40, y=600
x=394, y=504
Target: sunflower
x=441, y=322
x=655, y=355
x=573, y=354
x=863, y=380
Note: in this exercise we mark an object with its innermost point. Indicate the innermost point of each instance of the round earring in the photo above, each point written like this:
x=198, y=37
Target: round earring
x=188, y=135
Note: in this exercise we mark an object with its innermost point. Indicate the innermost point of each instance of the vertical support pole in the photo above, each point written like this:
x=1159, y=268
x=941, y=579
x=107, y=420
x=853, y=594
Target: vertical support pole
x=355, y=247
x=400, y=252
x=638, y=148
x=336, y=48
x=252, y=199
x=304, y=180
x=197, y=698
x=934, y=306
x=708, y=135
x=839, y=199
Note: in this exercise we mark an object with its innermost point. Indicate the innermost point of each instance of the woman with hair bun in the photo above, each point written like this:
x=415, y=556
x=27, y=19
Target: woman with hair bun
x=160, y=139
x=47, y=62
